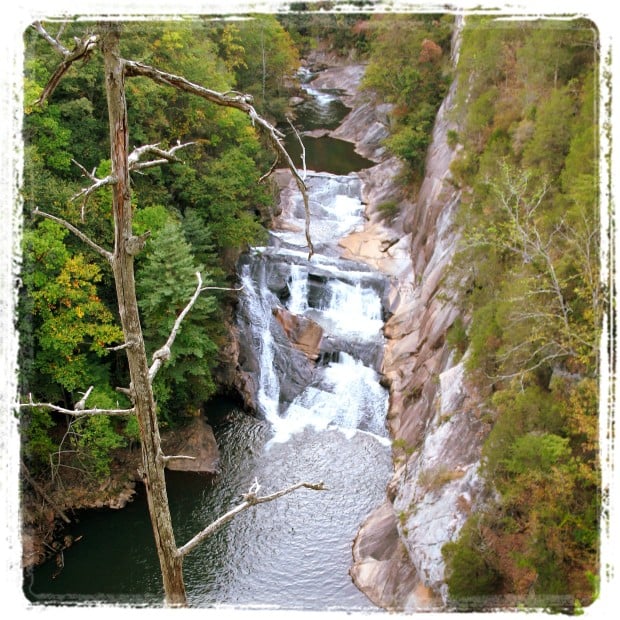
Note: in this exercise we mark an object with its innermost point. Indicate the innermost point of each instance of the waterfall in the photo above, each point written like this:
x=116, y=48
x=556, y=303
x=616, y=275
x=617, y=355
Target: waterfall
x=340, y=390
x=348, y=398
x=320, y=98
x=298, y=288
x=335, y=209
x=257, y=308
x=354, y=310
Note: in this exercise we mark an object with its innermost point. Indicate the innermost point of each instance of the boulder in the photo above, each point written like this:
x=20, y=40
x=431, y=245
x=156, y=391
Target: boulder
x=305, y=334
x=295, y=101
x=196, y=440
x=382, y=569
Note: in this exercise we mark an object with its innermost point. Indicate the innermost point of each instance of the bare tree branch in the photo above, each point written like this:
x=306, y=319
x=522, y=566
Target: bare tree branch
x=165, y=155
x=135, y=165
x=90, y=175
x=39, y=489
x=271, y=169
x=121, y=346
x=53, y=41
x=126, y=391
x=231, y=100
x=530, y=368
x=81, y=404
x=165, y=459
x=87, y=191
x=250, y=499
x=303, y=147
x=75, y=412
x=82, y=50
x=78, y=233
x=78, y=413
x=221, y=288
x=61, y=30
x=135, y=243
x=163, y=354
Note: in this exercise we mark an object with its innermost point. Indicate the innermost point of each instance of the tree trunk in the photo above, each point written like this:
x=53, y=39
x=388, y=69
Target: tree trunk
x=123, y=268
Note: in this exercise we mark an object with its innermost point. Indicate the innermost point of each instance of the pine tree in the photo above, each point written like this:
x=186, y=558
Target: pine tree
x=166, y=280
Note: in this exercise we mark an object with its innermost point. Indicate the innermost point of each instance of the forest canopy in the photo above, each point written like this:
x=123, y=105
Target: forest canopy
x=531, y=286
x=201, y=211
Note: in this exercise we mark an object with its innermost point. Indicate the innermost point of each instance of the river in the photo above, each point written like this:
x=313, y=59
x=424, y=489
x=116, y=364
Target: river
x=317, y=421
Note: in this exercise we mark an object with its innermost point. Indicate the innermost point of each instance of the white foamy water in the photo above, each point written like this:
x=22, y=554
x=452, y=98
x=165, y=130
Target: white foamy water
x=348, y=398
x=343, y=298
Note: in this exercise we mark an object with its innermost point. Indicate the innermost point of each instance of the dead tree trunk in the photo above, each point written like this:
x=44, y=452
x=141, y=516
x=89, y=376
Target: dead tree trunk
x=126, y=246
x=153, y=472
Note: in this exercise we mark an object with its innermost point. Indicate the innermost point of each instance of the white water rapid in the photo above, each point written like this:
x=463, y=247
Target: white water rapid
x=342, y=390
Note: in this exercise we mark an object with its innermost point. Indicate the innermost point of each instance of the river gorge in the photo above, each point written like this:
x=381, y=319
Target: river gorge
x=341, y=355
x=397, y=382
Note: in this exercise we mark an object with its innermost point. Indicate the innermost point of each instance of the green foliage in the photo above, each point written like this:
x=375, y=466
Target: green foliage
x=343, y=33
x=485, y=339
x=518, y=412
x=529, y=256
x=263, y=57
x=65, y=317
x=411, y=141
x=464, y=168
x=408, y=68
x=403, y=445
x=434, y=478
x=535, y=454
x=457, y=338
x=220, y=197
x=35, y=425
x=552, y=132
x=452, y=137
x=132, y=429
x=96, y=438
x=72, y=325
x=53, y=139
x=152, y=218
x=389, y=209
x=165, y=283
x=200, y=237
x=471, y=572
x=69, y=124
x=480, y=115
x=157, y=113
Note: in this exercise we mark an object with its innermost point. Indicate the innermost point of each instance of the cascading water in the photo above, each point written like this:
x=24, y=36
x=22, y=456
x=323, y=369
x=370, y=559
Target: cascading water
x=343, y=297
x=343, y=392
x=258, y=309
x=298, y=302
x=321, y=109
x=354, y=310
x=348, y=398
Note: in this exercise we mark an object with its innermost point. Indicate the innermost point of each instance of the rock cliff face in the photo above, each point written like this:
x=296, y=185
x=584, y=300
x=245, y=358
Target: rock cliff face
x=433, y=416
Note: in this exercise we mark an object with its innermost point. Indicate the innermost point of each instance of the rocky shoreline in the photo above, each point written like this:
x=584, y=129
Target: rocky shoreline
x=47, y=508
